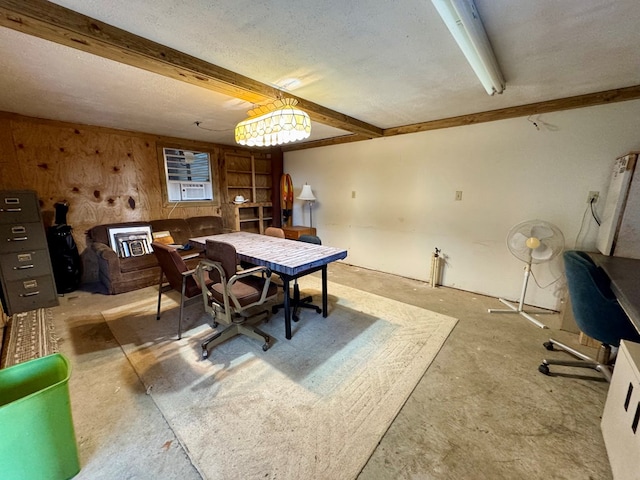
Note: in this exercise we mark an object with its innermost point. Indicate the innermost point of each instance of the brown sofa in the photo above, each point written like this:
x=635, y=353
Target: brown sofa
x=120, y=275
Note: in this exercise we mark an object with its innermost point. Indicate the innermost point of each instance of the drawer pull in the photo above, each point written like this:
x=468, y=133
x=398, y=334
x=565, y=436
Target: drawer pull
x=628, y=399
x=23, y=267
x=17, y=239
x=20, y=229
x=636, y=418
x=30, y=294
x=11, y=210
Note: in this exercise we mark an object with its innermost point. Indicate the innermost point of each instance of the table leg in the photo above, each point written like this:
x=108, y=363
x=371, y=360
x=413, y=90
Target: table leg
x=324, y=291
x=287, y=309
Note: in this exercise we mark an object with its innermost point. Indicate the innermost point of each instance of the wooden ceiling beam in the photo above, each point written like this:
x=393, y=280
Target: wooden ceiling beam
x=324, y=142
x=58, y=24
x=569, y=103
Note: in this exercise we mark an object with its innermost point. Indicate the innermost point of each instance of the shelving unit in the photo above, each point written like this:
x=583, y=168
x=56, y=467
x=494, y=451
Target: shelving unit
x=248, y=175
x=252, y=217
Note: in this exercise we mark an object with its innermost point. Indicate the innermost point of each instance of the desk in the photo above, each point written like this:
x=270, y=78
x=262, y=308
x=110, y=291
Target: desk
x=289, y=259
x=624, y=274
x=293, y=233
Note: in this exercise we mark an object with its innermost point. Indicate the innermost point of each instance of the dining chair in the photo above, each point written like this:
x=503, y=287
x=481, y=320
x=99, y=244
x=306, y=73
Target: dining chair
x=180, y=277
x=597, y=313
x=270, y=232
x=274, y=232
x=233, y=293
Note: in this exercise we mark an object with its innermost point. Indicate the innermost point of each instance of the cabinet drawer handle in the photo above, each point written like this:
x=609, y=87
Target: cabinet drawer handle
x=628, y=399
x=17, y=239
x=23, y=267
x=30, y=294
x=636, y=419
x=11, y=210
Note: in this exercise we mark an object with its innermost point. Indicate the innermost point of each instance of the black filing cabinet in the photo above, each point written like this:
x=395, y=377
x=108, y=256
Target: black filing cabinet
x=25, y=266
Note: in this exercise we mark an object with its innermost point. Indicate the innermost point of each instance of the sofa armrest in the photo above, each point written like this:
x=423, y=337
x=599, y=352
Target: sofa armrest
x=103, y=251
x=108, y=264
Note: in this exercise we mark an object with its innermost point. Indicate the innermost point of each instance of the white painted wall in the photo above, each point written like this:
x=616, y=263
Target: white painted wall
x=508, y=172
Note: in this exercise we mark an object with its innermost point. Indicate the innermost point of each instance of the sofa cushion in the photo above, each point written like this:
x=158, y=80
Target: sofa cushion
x=131, y=264
x=178, y=228
x=202, y=226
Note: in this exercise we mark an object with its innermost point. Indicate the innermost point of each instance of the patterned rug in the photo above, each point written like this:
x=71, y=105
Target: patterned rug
x=313, y=407
x=27, y=336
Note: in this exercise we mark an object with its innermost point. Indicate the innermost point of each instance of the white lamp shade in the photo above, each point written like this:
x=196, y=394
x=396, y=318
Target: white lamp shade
x=306, y=193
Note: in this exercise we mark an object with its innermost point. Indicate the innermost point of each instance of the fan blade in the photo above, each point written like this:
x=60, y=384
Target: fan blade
x=541, y=231
x=518, y=242
x=542, y=253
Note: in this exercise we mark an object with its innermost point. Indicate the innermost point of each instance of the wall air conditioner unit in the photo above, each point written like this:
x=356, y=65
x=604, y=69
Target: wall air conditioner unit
x=192, y=191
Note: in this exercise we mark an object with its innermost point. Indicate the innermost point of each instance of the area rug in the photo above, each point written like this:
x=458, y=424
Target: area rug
x=28, y=335
x=313, y=407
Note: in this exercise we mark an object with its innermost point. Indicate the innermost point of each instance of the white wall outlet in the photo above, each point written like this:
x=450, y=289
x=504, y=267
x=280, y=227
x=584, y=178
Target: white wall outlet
x=593, y=197
x=458, y=195
x=353, y=194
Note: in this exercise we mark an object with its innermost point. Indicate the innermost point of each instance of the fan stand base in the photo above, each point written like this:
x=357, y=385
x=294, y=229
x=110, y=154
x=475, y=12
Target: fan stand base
x=517, y=309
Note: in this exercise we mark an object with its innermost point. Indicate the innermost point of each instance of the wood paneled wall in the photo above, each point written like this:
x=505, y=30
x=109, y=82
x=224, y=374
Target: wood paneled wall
x=105, y=175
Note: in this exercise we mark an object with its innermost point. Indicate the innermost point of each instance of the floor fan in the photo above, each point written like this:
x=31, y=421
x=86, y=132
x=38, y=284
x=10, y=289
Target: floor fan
x=533, y=241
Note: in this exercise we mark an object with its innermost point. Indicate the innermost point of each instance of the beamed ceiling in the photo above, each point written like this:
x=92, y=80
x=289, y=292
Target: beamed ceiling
x=361, y=69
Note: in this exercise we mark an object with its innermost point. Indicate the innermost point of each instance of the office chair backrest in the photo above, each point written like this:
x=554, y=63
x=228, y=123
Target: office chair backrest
x=172, y=265
x=310, y=239
x=224, y=253
x=595, y=307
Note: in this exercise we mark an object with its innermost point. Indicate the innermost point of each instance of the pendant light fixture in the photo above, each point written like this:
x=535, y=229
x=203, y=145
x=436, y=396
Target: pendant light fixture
x=274, y=124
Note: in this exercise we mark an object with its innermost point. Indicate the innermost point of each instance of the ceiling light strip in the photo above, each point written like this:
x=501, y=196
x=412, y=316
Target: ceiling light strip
x=464, y=23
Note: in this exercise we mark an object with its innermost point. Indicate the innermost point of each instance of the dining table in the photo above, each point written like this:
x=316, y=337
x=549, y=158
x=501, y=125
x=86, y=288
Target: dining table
x=289, y=259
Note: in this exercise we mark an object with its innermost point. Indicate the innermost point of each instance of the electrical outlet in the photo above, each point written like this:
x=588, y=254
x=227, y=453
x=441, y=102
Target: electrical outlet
x=459, y=195
x=593, y=197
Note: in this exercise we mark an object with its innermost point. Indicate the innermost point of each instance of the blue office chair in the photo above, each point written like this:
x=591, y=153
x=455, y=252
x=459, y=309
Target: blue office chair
x=597, y=313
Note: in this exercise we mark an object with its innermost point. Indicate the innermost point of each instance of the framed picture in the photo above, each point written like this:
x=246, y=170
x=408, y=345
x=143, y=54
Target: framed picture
x=131, y=241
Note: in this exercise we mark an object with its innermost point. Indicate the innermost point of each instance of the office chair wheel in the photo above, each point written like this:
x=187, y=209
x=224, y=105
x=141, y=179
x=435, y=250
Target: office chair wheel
x=295, y=317
x=274, y=309
x=318, y=310
x=205, y=354
x=544, y=368
x=266, y=345
x=548, y=346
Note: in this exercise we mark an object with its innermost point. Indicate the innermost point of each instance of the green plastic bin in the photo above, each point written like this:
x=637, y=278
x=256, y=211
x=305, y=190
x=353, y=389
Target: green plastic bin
x=37, y=440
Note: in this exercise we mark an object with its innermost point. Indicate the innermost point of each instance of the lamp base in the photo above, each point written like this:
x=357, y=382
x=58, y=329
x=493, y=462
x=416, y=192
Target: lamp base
x=310, y=202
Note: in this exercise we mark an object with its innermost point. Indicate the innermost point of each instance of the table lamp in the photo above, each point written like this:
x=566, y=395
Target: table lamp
x=307, y=195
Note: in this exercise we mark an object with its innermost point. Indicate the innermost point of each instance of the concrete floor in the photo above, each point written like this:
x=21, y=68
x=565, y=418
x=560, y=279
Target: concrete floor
x=481, y=411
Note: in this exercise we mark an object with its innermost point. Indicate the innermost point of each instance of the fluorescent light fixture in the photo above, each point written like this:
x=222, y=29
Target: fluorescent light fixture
x=464, y=23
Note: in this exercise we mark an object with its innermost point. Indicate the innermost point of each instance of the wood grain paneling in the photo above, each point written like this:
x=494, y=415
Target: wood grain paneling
x=11, y=177
x=105, y=175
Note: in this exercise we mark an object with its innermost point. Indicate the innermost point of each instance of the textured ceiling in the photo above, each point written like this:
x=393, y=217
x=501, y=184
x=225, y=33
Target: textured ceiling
x=386, y=63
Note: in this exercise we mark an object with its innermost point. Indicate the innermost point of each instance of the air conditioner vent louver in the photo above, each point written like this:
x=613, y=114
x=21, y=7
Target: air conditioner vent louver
x=192, y=191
